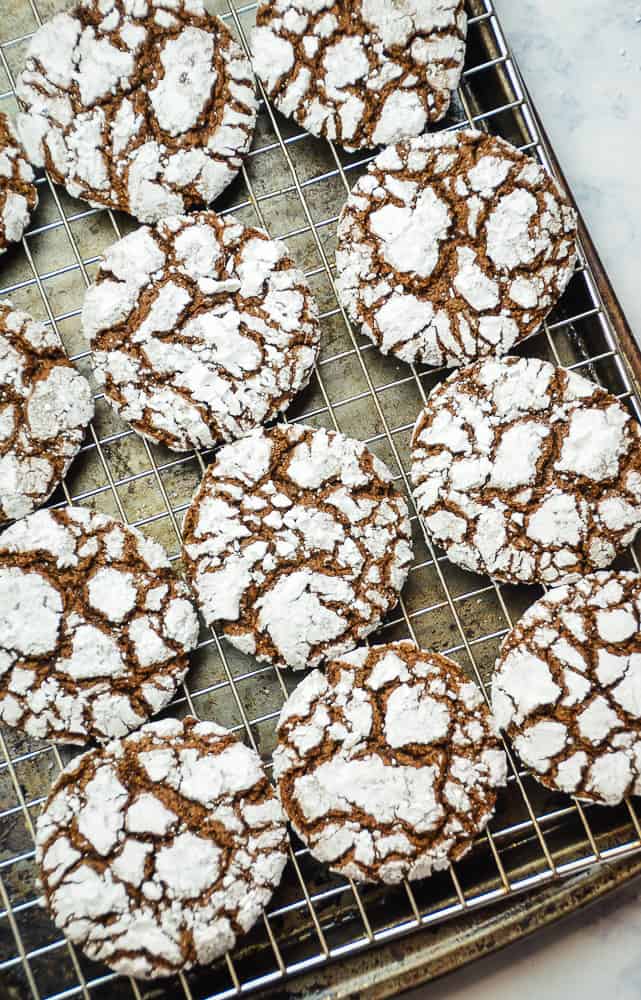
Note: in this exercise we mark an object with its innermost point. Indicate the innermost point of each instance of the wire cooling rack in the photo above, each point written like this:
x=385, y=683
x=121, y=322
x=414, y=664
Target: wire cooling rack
x=294, y=185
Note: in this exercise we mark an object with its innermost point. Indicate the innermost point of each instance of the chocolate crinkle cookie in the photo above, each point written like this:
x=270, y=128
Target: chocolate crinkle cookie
x=95, y=629
x=140, y=105
x=567, y=688
x=527, y=472
x=363, y=72
x=156, y=852
x=18, y=193
x=296, y=544
x=45, y=407
x=201, y=329
x=453, y=246
x=388, y=764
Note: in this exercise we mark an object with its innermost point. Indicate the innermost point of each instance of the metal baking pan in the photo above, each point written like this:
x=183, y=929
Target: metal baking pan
x=543, y=854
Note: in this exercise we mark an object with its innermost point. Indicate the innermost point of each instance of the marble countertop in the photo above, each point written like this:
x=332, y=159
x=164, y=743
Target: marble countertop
x=581, y=60
x=589, y=956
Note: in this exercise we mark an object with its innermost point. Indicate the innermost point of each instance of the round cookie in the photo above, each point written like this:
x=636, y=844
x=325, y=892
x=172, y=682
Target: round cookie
x=296, y=544
x=365, y=73
x=567, y=688
x=453, y=246
x=201, y=329
x=157, y=851
x=527, y=472
x=95, y=629
x=140, y=105
x=45, y=407
x=388, y=763
x=18, y=193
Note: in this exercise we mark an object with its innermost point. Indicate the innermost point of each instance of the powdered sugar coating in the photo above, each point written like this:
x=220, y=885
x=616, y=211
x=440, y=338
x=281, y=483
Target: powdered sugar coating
x=453, y=246
x=365, y=73
x=567, y=688
x=201, y=328
x=45, y=406
x=95, y=629
x=18, y=193
x=296, y=544
x=156, y=852
x=527, y=472
x=138, y=107
x=387, y=765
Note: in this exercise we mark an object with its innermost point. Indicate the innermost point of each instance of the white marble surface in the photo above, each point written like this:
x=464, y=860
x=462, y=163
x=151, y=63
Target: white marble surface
x=581, y=60
x=593, y=955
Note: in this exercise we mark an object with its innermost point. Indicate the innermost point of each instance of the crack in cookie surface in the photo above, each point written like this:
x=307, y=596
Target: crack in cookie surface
x=18, y=192
x=156, y=852
x=388, y=763
x=453, y=246
x=363, y=72
x=296, y=544
x=95, y=629
x=45, y=407
x=201, y=328
x=139, y=105
x=527, y=472
x=567, y=688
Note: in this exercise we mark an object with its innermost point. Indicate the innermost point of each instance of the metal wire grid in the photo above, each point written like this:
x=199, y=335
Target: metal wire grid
x=314, y=918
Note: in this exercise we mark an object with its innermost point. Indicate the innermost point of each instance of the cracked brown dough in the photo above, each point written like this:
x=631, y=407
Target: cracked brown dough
x=45, y=407
x=156, y=852
x=18, y=193
x=567, y=688
x=142, y=105
x=296, y=544
x=364, y=72
x=201, y=329
x=453, y=246
x=388, y=763
x=527, y=472
x=95, y=629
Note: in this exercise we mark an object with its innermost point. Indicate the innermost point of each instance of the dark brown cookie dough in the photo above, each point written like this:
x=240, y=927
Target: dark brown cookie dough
x=18, y=193
x=201, y=329
x=388, y=763
x=140, y=105
x=156, y=852
x=45, y=407
x=453, y=246
x=95, y=629
x=567, y=688
x=527, y=472
x=363, y=72
x=296, y=544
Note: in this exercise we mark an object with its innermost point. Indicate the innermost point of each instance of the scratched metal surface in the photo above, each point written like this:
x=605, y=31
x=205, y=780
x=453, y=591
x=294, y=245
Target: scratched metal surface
x=294, y=186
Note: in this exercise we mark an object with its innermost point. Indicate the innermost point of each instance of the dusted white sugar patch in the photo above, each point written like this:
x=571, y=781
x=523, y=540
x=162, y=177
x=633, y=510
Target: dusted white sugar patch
x=500, y=460
x=79, y=658
x=174, y=882
x=228, y=335
x=411, y=236
x=295, y=616
x=452, y=246
x=27, y=597
x=180, y=113
x=332, y=71
x=47, y=406
x=18, y=192
x=566, y=723
x=399, y=801
x=296, y=544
